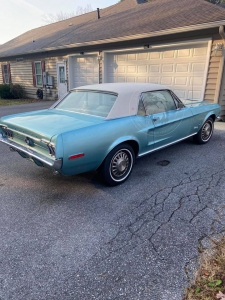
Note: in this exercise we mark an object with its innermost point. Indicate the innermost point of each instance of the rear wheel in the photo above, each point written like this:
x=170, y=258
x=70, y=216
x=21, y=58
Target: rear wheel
x=118, y=164
x=205, y=133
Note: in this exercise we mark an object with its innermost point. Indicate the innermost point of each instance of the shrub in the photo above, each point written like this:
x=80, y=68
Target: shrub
x=12, y=91
x=5, y=91
x=17, y=91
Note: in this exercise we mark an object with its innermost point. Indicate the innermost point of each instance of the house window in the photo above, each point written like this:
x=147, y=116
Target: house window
x=6, y=75
x=38, y=67
x=38, y=73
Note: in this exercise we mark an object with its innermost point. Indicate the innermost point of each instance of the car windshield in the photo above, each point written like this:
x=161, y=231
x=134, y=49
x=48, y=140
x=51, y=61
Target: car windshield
x=94, y=103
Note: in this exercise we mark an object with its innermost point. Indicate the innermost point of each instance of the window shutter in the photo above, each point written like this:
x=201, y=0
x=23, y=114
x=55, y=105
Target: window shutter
x=9, y=73
x=3, y=77
x=43, y=70
x=43, y=66
x=33, y=73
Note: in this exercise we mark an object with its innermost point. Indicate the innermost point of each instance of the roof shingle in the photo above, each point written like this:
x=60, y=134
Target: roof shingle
x=126, y=18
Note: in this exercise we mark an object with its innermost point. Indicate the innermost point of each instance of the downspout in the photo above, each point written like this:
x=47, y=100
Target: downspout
x=222, y=73
x=222, y=33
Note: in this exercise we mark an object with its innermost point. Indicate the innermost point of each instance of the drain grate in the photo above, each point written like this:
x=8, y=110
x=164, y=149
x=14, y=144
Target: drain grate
x=163, y=162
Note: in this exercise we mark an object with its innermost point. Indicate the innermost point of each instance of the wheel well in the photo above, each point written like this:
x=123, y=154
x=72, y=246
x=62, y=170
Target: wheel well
x=134, y=145
x=213, y=117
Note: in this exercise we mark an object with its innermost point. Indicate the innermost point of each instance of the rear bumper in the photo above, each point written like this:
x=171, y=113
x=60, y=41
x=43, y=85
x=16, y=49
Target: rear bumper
x=55, y=164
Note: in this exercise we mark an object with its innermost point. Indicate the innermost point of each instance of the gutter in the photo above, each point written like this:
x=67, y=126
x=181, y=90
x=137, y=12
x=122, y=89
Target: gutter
x=127, y=38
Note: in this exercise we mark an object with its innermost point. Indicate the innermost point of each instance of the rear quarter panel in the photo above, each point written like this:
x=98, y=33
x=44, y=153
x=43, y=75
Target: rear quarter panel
x=202, y=111
x=96, y=142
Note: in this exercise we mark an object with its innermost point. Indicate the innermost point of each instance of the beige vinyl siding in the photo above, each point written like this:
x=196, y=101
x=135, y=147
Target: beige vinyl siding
x=1, y=78
x=222, y=93
x=214, y=74
x=21, y=73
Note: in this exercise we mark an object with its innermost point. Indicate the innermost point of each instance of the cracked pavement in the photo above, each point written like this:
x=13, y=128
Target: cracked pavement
x=74, y=238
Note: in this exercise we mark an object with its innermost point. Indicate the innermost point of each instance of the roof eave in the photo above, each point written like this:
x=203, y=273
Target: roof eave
x=127, y=38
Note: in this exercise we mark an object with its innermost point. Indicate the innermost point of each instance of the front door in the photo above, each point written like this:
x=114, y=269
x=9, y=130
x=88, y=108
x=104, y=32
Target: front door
x=62, y=82
x=171, y=124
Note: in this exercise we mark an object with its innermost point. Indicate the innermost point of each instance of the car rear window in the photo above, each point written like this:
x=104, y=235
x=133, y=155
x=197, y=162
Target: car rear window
x=88, y=102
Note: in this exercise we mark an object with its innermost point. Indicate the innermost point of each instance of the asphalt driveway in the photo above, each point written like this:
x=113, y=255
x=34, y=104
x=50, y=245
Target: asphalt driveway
x=74, y=238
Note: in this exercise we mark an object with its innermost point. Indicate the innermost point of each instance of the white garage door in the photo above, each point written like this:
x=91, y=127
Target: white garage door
x=83, y=70
x=183, y=69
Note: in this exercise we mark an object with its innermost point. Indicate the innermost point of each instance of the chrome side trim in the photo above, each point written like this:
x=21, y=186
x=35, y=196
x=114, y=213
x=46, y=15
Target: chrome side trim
x=166, y=145
x=55, y=164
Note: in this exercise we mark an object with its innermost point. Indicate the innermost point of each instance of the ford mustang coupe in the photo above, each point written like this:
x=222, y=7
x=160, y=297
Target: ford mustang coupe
x=105, y=127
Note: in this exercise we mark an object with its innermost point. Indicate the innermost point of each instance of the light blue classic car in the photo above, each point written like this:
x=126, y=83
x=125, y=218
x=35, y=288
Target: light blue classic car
x=106, y=127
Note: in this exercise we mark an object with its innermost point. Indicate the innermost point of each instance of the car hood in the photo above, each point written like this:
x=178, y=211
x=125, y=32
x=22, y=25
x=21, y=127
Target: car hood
x=48, y=123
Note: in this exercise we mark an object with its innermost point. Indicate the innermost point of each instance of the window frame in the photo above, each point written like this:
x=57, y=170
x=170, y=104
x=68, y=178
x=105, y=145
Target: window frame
x=35, y=74
x=6, y=73
x=173, y=96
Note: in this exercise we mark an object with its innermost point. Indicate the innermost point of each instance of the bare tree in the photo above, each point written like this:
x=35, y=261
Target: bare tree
x=51, y=18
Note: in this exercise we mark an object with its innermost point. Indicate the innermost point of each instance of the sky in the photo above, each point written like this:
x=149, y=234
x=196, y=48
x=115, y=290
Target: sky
x=19, y=16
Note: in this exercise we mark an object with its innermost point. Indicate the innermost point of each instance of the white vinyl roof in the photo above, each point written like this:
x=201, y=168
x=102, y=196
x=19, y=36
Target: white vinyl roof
x=128, y=96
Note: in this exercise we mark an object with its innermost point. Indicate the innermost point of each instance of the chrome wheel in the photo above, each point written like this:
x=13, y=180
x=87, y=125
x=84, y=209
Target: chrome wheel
x=118, y=164
x=206, y=131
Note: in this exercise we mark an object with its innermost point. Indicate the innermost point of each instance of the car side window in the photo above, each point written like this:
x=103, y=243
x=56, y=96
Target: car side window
x=157, y=102
x=141, y=109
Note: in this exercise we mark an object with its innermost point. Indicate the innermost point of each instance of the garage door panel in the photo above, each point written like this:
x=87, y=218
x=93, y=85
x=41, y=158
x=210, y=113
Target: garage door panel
x=131, y=69
x=169, y=54
x=183, y=68
x=196, y=81
x=194, y=94
x=121, y=58
x=167, y=68
x=181, y=93
x=132, y=56
x=154, y=80
x=121, y=79
x=198, y=67
x=166, y=81
x=154, y=68
x=184, y=53
x=142, y=56
x=131, y=79
x=182, y=81
x=200, y=52
x=142, y=69
x=85, y=70
x=141, y=79
x=155, y=55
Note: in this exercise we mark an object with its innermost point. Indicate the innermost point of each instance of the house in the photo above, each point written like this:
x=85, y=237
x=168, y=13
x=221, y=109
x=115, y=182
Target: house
x=176, y=43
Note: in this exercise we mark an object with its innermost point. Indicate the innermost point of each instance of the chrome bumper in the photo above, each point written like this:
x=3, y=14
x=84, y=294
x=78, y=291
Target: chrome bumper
x=54, y=164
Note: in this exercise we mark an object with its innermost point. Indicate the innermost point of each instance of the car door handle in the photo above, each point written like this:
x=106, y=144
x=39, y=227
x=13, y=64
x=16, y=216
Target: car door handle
x=155, y=119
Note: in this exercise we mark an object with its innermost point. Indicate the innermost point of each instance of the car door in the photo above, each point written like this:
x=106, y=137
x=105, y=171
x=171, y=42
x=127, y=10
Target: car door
x=144, y=128
x=171, y=121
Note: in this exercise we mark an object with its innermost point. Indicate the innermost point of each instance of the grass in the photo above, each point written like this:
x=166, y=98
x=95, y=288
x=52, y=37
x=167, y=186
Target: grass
x=210, y=278
x=4, y=102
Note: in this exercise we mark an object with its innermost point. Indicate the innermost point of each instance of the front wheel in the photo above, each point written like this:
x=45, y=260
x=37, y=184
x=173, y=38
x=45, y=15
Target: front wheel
x=205, y=133
x=118, y=164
